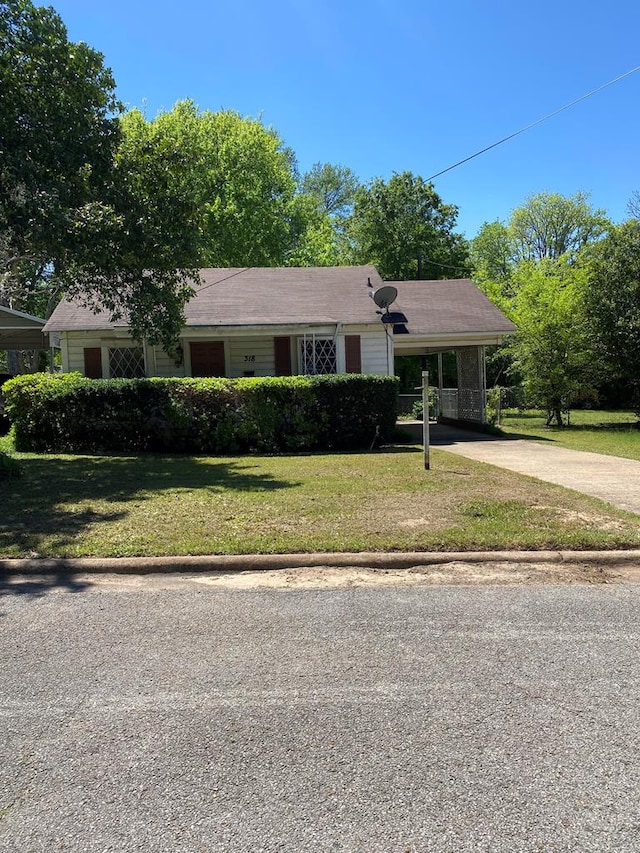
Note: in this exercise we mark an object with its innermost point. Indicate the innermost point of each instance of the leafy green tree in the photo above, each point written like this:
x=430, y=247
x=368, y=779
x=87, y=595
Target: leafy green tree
x=612, y=302
x=249, y=187
x=546, y=226
x=334, y=187
x=534, y=253
x=58, y=132
x=230, y=178
x=69, y=215
x=492, y=254
x=319, y=214
x=550, y=225
x=317, y=239
x=405, y=229
x=552, y=349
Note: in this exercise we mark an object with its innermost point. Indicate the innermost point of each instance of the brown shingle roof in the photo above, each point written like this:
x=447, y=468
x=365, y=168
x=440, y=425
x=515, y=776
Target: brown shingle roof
x=302, y=295
x=455, y=306
x=259, y=296
x=287, y=295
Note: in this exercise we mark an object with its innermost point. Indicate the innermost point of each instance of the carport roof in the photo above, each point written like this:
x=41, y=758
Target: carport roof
x=21, y=331
x=451, y=307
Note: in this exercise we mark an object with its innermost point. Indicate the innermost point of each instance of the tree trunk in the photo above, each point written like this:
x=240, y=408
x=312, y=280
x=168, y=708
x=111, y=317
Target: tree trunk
x=554, y=413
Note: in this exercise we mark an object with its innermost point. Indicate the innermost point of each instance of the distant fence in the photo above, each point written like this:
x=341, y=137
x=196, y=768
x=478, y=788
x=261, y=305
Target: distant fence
x=462, y=404
x=406, y=401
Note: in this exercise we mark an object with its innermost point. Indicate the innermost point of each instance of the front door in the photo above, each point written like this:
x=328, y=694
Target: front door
x=207, y=358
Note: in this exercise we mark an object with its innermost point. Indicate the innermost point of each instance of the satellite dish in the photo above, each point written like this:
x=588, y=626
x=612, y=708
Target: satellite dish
x=385, y=296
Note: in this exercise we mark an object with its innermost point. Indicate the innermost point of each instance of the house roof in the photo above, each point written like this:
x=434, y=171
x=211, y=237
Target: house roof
x=451, y=307
x=258, y=296
x=271, y=296
x=287, y=295
x=20, y=331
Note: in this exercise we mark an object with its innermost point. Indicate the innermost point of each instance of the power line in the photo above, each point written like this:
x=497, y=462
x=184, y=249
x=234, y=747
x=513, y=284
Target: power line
x=534, y=123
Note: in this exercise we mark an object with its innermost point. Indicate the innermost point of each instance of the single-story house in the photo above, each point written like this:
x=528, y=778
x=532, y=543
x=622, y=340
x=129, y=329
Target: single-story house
x=283, y=321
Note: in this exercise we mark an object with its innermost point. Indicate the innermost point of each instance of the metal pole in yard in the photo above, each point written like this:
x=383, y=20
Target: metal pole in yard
x=425, y=418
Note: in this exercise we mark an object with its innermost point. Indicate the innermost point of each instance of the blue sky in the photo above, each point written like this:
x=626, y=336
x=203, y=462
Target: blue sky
x=390, y=85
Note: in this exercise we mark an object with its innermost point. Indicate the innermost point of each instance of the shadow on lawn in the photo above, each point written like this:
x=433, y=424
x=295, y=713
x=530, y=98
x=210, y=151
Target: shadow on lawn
x=44, y=502
x=612, y=426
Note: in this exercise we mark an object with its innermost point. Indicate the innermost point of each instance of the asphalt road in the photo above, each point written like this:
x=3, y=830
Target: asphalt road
x=137, y=718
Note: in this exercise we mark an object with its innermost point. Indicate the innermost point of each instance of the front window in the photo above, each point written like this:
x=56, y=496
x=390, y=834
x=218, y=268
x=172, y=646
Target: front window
x=126, y=362
x=317, y=355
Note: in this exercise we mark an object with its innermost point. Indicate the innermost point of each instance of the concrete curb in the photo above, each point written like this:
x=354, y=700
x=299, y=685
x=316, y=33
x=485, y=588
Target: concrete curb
x=264, y=562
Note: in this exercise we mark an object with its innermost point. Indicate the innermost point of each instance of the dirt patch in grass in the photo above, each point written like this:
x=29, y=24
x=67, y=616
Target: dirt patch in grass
x=594, y=520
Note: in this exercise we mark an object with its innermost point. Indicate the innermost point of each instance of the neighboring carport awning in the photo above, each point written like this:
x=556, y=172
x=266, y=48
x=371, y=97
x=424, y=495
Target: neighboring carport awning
x=21, y=331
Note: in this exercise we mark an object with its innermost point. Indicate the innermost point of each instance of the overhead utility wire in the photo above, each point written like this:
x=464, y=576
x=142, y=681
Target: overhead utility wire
x=226, y=278
x=534, y=123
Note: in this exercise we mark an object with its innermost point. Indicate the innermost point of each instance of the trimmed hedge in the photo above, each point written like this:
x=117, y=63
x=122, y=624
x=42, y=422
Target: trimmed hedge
x=69, y=413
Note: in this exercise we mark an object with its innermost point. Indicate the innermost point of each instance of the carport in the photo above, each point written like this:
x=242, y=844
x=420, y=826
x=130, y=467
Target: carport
x=20, y=331
x=444, y=316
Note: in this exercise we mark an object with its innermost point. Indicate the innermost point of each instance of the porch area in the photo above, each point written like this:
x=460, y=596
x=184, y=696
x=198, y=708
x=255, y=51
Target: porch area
x=463, y=401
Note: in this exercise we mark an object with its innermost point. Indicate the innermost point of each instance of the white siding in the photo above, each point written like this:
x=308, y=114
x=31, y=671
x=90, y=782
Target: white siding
x=73, y=345
x=244, y=352
x=160, y=364
x=253, y=356
x=374, y=348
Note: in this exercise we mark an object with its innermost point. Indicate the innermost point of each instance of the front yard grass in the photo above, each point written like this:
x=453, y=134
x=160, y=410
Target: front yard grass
x=611, y=433
x=177, y=505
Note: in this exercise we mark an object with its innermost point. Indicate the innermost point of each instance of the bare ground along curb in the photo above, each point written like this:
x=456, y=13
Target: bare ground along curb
x=270, y=562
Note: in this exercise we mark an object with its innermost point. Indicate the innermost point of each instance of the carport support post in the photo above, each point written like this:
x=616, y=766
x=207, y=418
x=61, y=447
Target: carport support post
x=425, y=418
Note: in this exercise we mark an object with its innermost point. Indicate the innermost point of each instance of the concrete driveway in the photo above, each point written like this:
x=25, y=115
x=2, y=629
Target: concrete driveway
x=609, y=478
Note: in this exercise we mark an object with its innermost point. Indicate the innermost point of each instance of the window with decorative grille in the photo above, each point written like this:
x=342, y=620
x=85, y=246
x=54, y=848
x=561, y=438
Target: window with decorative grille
x=126, y=363
x=318, y=355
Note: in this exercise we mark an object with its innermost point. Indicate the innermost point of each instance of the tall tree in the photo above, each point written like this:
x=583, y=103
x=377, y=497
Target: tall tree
x=405, y=229
x=633, y=205
x=551, y=349
x=230, y=177
x=58, y=132
x=319, y=214
x=550, y=225
x=317, y=239
x=492, y=253
x=69, y=216
x=545, y=226
x=613, y=304
x=333, y=187
x=525, y=267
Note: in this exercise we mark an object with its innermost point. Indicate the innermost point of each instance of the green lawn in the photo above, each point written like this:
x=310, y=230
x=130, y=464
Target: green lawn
x=611, y=433
x=164, y=505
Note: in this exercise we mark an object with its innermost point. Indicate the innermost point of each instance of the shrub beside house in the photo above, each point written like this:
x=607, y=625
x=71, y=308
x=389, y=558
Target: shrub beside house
x=71, y=413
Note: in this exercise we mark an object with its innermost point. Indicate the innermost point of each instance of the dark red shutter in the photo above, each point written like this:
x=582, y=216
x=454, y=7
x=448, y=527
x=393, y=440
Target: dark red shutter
x=207, y=358
x=93, y=362
x=352, y=355
x=282, y=353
